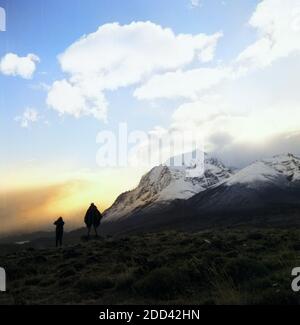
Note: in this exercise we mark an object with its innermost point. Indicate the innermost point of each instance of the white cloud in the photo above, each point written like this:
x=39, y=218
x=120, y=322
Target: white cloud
x=248, y=110
x=187, y=84
x=195, y=3
x=40, y=86
x=278, y=25
x=29, y=116
x=67, y=98
x=119, y=56
x=254, y=108
x=123, y=55
x=13, y=65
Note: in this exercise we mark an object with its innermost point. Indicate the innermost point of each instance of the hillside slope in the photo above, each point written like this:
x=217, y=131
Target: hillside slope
x=238, y=266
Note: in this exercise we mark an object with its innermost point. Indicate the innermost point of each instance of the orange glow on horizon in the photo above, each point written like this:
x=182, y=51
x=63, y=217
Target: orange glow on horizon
x=32, y=201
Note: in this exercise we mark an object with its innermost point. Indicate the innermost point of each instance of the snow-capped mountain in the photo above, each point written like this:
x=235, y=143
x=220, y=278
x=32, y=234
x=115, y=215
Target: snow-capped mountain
x=266, y=192
x=279, y=170
x=268, y=183
x=166, y=183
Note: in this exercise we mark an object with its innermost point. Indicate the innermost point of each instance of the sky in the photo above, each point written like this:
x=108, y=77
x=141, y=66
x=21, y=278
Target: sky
x=72, y=72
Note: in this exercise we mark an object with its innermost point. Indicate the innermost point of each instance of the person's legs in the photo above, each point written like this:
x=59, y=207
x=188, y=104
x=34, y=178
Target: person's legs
x=58, y=239
x=96, y=231
x=89, y=231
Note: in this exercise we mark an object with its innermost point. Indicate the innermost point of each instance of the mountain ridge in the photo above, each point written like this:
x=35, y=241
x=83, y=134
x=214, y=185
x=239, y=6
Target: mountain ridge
x=265, y=192
x=166, y=183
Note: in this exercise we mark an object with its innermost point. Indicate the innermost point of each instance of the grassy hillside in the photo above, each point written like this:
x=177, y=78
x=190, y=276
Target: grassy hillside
x=239, y=266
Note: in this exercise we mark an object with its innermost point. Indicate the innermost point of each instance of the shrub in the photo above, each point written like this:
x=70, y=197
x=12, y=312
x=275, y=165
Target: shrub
x=68, y=272
x=242, y=269
x=33, y=280
x=255, y=236
x=97, y=283
x=125, y=281
x=162, y=283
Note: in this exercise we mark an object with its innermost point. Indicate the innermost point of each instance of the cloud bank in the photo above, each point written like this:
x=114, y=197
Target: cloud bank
x=248, y=100
x=252, y=100
x=118, y=56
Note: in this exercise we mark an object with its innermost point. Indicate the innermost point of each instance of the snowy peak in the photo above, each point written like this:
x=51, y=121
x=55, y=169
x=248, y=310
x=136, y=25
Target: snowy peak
x=278, y=170
x=186, y=181
x=217, y=188
x=287, y=165
x=215, y=172
x=155, y=181
x=165, y=183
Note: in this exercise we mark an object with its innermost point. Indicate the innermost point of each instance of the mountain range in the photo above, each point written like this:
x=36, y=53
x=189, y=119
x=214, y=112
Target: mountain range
x=266, y=191
x=166, y=183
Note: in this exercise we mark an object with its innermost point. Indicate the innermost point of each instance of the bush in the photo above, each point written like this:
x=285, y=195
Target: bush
x=125, y=281
x=196, y=270
x=94, y=284
x=242, y=269
x=33, y=280
x=255, y=236
x=162, y=283
x=68, y=272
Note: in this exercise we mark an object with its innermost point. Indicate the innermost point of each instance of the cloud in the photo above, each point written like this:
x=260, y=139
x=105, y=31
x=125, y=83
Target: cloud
x=13, y=65
x=41, y=86
x=243, y=103
x=120, y=56
x=252, y=99
x=195, y=3
x=241, y=154
x=123, y=55
x=278, y=25
x=187, y=84
x=247, y=103
x=246, y=118
x=29, y=116
x=68, y=98
x=247, y=110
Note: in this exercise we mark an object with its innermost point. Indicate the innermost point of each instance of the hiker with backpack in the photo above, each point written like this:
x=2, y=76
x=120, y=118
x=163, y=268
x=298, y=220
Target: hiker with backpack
x=92, y=219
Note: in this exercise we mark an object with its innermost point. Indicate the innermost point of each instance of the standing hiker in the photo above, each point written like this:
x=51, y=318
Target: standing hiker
x=59, y=223
x=92, y=218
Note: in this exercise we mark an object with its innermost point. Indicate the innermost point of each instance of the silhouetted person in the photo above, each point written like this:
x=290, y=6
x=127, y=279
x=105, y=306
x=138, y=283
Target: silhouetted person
x=59, y=223
x=92, y=218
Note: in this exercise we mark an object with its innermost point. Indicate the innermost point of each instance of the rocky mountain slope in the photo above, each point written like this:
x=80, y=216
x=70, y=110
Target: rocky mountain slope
x=165, y=183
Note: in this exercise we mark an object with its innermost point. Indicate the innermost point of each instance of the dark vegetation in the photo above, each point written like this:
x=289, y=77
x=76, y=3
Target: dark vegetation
x=227, y=266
